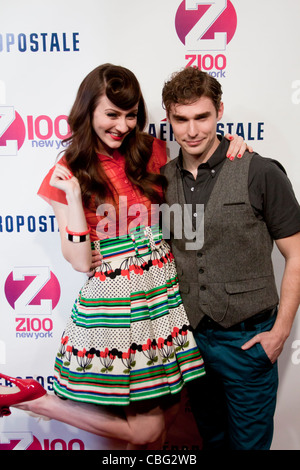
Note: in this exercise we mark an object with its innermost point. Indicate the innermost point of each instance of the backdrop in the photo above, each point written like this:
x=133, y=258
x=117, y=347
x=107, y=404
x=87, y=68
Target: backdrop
x=46, y=49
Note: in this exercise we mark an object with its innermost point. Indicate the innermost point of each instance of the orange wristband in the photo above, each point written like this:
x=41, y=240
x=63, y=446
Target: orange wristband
x=78, y=234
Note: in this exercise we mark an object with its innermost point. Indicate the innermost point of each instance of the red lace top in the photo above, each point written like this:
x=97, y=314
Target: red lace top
x=130, y=208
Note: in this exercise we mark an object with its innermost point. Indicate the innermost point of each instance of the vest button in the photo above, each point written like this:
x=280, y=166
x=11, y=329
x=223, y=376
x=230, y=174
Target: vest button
x=202, y=287
x=201, y=271
x=199, y=254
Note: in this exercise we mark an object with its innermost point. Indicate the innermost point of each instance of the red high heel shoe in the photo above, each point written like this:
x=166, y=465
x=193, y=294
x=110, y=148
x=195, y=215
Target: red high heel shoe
x=29, y=389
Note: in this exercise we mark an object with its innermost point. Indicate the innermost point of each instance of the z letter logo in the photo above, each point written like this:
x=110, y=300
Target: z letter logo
x=207, y=25
x=12, y=131
x=32, y=290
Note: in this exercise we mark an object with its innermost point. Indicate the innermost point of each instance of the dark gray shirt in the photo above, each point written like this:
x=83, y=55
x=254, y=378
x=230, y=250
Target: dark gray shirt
x=270, y=191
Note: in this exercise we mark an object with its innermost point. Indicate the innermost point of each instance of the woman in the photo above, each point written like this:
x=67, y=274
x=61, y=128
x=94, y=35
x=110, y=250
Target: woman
x=128, y=343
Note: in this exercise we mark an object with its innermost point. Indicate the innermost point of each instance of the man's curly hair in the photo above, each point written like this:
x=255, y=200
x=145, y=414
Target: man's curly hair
x=189, y=85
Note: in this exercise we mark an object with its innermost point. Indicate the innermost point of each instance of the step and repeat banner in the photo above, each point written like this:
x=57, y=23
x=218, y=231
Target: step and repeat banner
x=46, y=49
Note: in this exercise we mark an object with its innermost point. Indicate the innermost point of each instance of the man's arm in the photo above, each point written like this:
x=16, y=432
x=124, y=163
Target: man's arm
x=273, y=340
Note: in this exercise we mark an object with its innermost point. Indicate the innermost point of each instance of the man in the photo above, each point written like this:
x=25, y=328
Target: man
x=228, y=285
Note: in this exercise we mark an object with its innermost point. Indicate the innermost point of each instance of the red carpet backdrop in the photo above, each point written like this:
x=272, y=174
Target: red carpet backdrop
x=46, y=49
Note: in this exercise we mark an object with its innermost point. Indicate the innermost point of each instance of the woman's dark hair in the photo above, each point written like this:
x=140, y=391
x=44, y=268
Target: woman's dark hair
x=122, y=88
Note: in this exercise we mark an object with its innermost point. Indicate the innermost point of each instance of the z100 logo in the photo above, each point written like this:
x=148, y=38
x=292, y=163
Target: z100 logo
x=206, y=25
x=27, y=441
x=33, y=291
x=42, y=131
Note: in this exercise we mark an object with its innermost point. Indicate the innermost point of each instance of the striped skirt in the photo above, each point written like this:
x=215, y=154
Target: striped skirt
x=128, y=337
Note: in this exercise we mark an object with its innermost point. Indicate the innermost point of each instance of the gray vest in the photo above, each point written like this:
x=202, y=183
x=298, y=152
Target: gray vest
x=231, y=277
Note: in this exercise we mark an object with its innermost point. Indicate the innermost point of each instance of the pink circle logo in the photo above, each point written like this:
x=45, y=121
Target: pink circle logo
x=205, y=25
x=32, y=290
x=12, y=128
x=20, y=441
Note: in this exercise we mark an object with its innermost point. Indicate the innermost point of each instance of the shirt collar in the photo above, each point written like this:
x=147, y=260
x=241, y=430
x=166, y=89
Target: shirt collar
x=117, y=157
x=217, y=157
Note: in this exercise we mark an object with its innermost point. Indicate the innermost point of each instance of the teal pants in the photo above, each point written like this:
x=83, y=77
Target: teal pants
x=234, y=403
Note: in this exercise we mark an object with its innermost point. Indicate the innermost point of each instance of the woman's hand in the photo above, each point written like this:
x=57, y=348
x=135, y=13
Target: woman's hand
x=96, y=261
x=63, y=179
x=237, y=146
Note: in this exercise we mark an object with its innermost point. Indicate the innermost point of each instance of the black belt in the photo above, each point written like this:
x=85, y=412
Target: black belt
x=249, y=324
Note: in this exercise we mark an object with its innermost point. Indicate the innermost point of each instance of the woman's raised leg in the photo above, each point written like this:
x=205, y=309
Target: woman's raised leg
x=136, y=428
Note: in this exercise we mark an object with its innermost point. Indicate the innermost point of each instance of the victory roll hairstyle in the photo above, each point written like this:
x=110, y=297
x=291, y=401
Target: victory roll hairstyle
x=122, y=88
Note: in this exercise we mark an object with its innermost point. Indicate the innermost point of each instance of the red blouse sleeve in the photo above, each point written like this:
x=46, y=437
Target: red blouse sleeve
x=48, y=192
x=158, y=157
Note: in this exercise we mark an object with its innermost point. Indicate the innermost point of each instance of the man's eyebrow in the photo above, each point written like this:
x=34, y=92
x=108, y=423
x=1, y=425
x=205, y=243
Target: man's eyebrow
x=197, y=116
